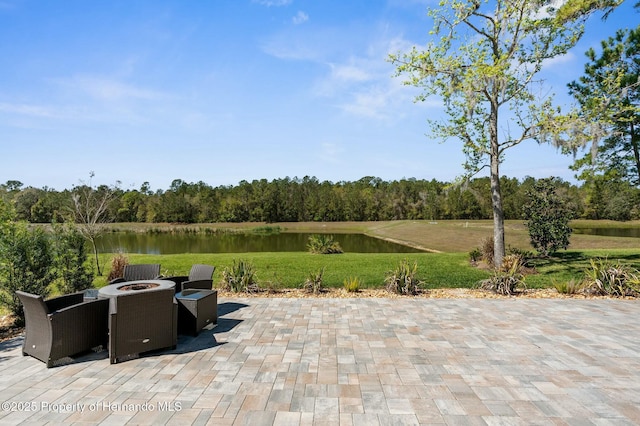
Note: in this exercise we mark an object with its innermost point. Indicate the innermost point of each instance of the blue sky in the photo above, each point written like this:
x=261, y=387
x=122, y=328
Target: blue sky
x=224, y=90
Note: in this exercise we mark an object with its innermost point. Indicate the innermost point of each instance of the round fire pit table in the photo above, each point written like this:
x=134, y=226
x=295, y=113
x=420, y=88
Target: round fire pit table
x=128, y=287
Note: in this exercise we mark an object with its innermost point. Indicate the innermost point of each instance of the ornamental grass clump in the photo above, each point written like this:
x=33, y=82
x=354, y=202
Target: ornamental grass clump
x=118, y=262
x=568, y=287
x=241, y=277
x=323, y=244
x=507, y=279
x=605, y=278
x=403, y=279
x=313, y=283
x=352, y=284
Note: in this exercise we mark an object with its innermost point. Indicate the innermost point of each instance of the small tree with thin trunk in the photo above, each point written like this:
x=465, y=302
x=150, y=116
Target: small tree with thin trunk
x=90, y=210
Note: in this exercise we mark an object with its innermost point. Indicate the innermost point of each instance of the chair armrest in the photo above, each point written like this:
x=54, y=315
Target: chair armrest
x=61, y=302
x=177, y=279
x=90, y=308
x=198, y=284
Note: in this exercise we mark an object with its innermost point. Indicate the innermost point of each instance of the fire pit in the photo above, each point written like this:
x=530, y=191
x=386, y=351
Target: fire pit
x=129, y=287
x=137, y=287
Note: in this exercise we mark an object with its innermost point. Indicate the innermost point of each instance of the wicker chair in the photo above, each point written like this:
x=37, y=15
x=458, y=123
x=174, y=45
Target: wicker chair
x=200, y=277
x=62, y=326
x=138, y=272
x=142, y=321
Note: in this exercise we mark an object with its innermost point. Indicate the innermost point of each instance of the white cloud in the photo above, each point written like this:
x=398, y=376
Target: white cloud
x=112, y=90
x=559, y=60
x=286, y=46
x=28, y=110
x=300, y=18
x=354, y=75
x=84, y=99
x=349, y=72
x=371, y=103
x=363, y=85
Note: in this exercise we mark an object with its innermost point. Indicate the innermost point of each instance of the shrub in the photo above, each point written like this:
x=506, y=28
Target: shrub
x=606, y=278
x=512, y=261
x=525, y=255
x=71, y=260
x=323, y=244
x=352, y=284
x=505, y=281
x=119, y=261
x=487, y=250
x=26, y=264
x=547, y=217
x=403, y=280
x=475, y=255
x=240, y=277
x=313, y=283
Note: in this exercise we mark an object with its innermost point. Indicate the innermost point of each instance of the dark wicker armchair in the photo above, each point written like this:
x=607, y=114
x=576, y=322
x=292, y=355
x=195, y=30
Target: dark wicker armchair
x=142, y=321
x=138, y=272
x=200, y=277
x=62, y=326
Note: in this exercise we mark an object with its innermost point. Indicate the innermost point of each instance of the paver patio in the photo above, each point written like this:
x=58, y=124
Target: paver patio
x=357, y=361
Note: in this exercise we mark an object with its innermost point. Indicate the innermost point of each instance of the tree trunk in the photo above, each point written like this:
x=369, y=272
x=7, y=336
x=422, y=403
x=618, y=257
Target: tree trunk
x=636, y=149
x=496, y=194
x=95, y=253
x=498, y=213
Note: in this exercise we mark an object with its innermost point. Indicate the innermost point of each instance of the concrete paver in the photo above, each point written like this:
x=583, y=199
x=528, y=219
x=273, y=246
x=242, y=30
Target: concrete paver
x=356, y=361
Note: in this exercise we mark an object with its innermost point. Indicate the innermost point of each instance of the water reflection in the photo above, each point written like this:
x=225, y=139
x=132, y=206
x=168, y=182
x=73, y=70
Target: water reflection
x=237, y=243
x=610, y=232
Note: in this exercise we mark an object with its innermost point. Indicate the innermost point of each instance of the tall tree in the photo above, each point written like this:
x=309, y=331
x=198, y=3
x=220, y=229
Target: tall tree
x=483, y=63
x=609, y=97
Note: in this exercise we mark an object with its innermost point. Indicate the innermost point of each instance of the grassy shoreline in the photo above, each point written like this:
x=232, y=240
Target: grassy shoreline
x=446, y=236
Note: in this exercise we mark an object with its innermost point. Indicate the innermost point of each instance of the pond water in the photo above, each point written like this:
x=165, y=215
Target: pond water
x=128, y=242
x=610, y=232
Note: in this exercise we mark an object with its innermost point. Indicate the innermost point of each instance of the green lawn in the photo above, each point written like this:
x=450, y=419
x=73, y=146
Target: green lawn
x=437, y=270
x=290, y=269
x=571, y=264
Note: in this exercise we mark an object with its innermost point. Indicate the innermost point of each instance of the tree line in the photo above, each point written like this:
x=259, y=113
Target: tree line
x=309, y=199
